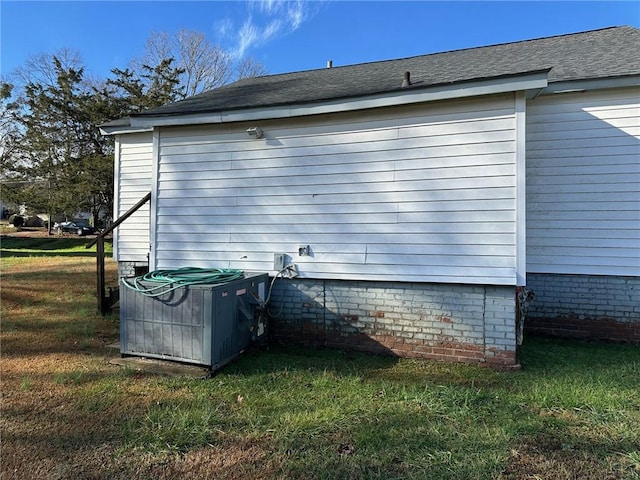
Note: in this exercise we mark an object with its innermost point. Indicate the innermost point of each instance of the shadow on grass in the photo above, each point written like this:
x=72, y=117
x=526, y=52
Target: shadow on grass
x=294, y=358
x=559, y=356
x=48, y=247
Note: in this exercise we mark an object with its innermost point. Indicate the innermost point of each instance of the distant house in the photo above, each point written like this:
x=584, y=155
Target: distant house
x=413, y=195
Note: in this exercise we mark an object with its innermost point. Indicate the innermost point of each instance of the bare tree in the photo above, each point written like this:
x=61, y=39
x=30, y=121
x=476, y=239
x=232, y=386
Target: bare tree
x=248, y=67
x=206, y=66
x=39, y=69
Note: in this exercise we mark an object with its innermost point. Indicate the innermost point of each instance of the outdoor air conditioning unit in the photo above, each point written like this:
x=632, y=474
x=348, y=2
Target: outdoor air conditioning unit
x=201, y=324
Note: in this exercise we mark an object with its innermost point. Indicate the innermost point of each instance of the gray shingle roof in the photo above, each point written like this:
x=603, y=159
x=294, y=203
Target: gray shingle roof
x=596, y=54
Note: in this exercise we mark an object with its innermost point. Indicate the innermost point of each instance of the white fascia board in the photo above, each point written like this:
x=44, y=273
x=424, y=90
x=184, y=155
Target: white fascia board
x=525, y=82
x=118, y=130
x=593, y=84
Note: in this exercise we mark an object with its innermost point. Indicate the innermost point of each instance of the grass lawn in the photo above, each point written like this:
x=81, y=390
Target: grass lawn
x=573, y=412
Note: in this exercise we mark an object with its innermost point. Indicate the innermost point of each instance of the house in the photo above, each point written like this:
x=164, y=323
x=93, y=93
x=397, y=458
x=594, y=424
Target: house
x=414, y=196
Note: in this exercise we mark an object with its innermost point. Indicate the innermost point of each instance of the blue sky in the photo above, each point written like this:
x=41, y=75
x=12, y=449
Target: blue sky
x=289, y=36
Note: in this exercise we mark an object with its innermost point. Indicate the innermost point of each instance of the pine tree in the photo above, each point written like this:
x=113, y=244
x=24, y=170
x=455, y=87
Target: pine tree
x=53, y=158
x=152, y=86
x=62, y=164
x=49, y=147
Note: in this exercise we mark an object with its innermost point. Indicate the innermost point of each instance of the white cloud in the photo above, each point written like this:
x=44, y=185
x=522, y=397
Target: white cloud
x=223, y=27
x=265, y=20
x=296, y=14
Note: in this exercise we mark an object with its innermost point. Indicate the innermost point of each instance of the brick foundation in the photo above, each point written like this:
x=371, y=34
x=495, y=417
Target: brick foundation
x=458, y=323
x=132, y=269
x=606, y=329
x=585, y=306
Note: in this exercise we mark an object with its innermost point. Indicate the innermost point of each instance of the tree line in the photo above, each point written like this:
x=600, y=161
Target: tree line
x=53, y=158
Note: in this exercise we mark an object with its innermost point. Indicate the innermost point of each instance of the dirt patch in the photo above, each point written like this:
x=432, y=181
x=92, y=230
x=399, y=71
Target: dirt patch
x=238, y=461
x=161, y=367
x=546, y=457
x=26, y=232
x=37, y=232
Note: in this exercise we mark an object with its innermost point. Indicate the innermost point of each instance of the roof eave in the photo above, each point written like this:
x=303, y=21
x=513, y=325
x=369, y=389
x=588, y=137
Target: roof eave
x=526, y=81
x=121, y=125
x=583, y=85
x=123, y=129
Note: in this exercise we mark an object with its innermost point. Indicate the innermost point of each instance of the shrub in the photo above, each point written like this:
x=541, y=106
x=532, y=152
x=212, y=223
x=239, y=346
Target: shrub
x=16, y=220
x=33, y=221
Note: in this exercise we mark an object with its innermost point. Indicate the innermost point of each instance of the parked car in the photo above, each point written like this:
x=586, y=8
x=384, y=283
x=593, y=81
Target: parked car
x=78, y=227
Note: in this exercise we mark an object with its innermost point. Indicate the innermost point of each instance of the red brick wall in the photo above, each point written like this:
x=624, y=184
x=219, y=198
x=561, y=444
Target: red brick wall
x=388, y=343
x=570, y=326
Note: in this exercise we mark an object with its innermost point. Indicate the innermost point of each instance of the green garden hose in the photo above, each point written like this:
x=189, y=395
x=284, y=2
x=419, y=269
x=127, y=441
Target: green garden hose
x=160, y=282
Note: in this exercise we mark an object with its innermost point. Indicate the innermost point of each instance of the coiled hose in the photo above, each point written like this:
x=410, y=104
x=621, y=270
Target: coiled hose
x=160, y=282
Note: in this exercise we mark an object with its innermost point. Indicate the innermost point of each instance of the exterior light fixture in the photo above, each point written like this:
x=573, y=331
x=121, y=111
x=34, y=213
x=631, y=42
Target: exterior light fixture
x=255, y=132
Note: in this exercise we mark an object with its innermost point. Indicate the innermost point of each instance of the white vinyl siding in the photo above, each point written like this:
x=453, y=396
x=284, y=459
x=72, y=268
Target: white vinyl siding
x=425, y=193
x=583, y=183
x=134, y=164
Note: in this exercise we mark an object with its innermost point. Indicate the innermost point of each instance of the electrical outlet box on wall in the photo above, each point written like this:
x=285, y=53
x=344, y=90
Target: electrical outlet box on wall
x=279, y=260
